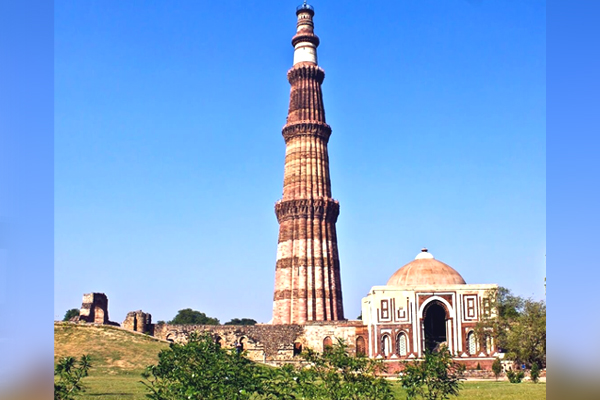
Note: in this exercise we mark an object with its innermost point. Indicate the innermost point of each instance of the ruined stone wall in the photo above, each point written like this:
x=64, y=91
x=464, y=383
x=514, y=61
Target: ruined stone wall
x=316, y=334
x=139, y=321
x=94, y=309
x=264, y=343
x=271, y=344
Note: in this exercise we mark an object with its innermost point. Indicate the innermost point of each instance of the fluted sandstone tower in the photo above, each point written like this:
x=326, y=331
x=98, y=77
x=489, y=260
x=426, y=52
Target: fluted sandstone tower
x=307, y=273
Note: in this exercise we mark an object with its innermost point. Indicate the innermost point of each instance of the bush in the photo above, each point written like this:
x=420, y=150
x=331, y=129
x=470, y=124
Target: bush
x=192, y=317
x=336, y=375
x=243, y=321
x=497, y=367
x=201, y=369
x=535, y=373
x=515, y=377
x=73, y=312
x=434, y=378
x=69, y=374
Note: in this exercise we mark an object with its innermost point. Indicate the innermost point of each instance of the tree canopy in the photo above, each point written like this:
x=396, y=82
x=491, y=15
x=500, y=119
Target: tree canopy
x=518, y=326
x=192, y=317
x=73, y=312
x=243, y=321
x=201, y=369
x=436, y=377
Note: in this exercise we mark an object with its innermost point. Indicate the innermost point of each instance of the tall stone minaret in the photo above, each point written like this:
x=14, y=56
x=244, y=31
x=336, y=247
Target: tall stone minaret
x=307, y=274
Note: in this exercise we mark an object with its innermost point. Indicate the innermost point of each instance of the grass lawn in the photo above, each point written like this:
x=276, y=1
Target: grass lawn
x=483, y=390
x=127, y=386
x=113, y=351
x=113, y=387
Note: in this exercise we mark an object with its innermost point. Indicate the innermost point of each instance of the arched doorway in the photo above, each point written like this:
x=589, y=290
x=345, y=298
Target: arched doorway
x=327, y=343
x=434, y=324
x=361, y=348
x=171, y=337
x=297, y=348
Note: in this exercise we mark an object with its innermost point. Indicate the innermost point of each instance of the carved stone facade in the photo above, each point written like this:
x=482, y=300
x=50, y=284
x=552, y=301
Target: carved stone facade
x=307, y=271
x=94, y=309
x=427, y=304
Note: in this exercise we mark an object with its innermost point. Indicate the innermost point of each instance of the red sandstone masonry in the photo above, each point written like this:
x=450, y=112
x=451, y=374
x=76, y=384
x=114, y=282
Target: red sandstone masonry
x=307, y=275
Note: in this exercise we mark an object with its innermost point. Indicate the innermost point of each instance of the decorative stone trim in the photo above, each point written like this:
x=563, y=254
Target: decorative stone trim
x=306, y=71
x=304, y=128
x=326, y=209
x=304, y=36
x=286, y=294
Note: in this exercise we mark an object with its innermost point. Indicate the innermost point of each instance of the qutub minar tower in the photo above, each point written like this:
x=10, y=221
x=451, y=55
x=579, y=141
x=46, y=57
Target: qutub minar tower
x=307, y=273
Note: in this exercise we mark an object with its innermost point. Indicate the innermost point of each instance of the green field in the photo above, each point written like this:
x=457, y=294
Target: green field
x=128, y=387
x=119, y=357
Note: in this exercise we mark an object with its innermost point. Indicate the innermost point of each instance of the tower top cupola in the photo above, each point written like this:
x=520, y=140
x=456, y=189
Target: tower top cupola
x=305, y=42
x=304, y=7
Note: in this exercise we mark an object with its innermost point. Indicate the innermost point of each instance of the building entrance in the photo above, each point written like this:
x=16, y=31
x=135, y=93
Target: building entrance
x=435, y=325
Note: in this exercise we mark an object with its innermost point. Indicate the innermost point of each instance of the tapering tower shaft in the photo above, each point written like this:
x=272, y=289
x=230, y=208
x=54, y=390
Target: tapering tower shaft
x=307, y=273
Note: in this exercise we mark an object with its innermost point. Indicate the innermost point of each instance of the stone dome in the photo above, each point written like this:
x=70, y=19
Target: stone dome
x=425, y=270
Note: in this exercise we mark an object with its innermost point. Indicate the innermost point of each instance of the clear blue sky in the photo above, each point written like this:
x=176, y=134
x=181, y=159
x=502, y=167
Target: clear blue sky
x=169, y=155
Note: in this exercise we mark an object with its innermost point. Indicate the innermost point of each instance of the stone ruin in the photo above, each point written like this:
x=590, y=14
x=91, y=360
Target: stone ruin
x=94, y=309
x=139, y=321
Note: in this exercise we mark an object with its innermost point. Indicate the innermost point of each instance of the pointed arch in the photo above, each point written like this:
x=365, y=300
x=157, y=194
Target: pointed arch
x=386, y=345
x=327, y=343
x=472, y=342
x=402, y=346
x=361, y=347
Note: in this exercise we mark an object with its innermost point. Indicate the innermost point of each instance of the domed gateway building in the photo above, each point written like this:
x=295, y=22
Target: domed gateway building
x=424, y=305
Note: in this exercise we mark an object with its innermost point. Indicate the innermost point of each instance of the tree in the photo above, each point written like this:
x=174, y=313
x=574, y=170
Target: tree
x=69, y=373
x=73, y=312
x=201, y=369
x=517, y=325
x=535, y=373
x=243, y=321
x=436, y=377
x=192, y=317
x=336, y=375
x=497, y=367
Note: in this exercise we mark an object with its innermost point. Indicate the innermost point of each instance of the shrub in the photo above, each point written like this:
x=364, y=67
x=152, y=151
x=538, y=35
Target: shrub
x=69, y=373
x=478, y=368
x=243, y=321
x=336, y=375
x=434, y=378
x=201, y=369
x=535, y=373
x=515, y=377
x=192, y=317
x=497, y=367
x=73, y=312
